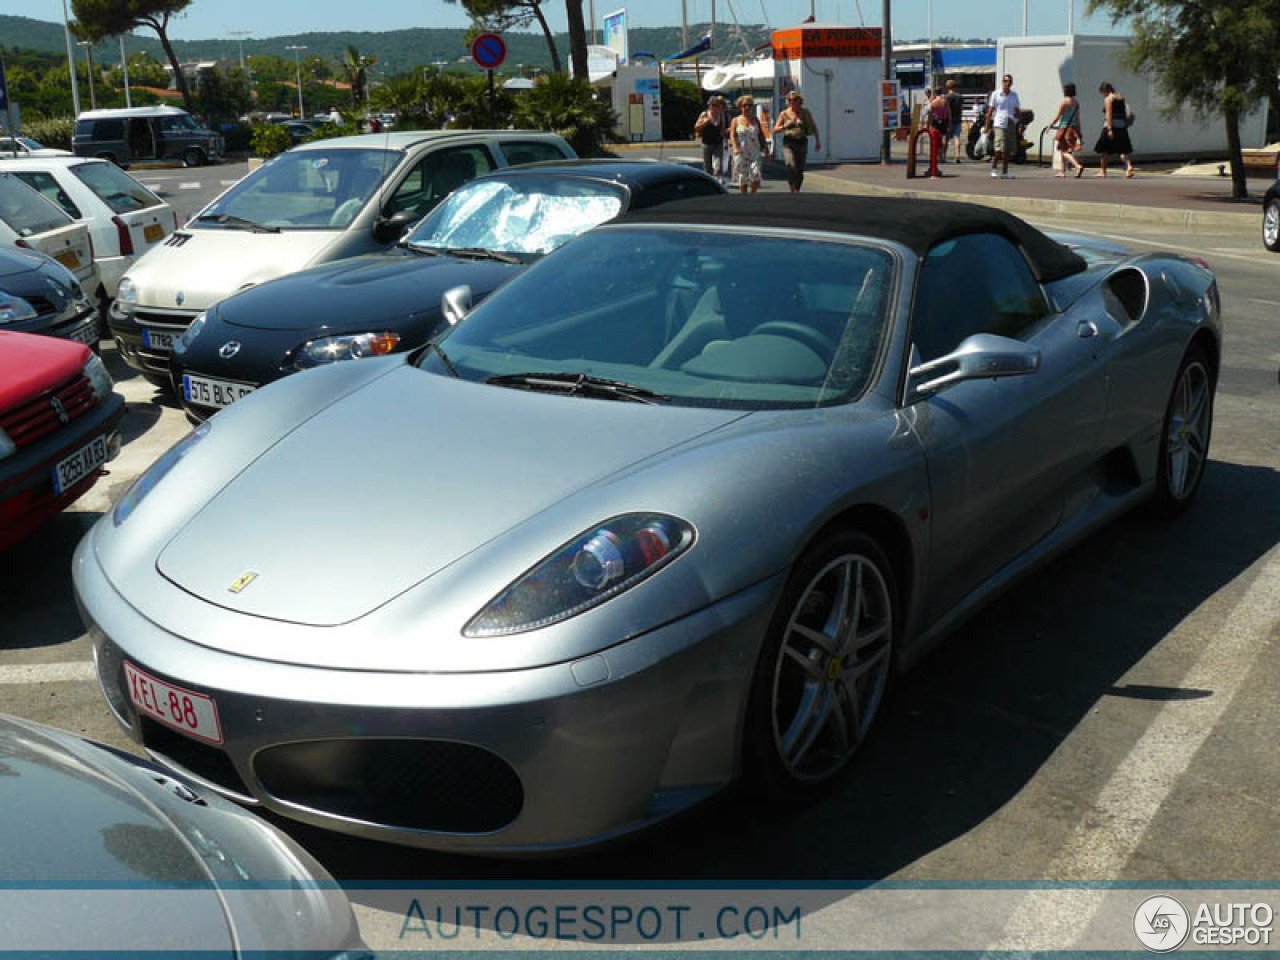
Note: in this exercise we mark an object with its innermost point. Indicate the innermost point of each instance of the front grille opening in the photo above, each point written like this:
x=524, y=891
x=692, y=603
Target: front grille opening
x=208, y=763
x=409, y=784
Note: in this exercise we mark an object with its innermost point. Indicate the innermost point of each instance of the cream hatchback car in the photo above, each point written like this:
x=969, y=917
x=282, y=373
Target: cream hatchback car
x=318, y=202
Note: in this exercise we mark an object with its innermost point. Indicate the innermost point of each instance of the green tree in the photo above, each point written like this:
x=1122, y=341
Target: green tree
x=99, y=19
x=316, y=68
x=220, y=98
x=355, y=69
x=681, y=105
x=567, y=106
x=1211, y=55
x=268, y=66
x=503, y=15
x=144, y=71
x=401, y=94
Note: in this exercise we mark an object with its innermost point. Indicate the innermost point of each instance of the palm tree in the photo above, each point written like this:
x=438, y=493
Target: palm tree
x=567, y=105
x=355, y=68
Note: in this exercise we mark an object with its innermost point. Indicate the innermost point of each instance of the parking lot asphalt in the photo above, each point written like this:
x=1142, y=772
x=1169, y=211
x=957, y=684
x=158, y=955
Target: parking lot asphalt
x=1109, y=719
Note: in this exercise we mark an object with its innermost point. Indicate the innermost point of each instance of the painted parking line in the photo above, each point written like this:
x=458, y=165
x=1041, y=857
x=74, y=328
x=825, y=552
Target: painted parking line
x=228, y=183
x=188, y=186
x=1105, y=840
x=46, y=673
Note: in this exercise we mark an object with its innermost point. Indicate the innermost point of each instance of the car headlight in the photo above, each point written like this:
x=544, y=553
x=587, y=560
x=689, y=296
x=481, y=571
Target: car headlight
x=188, y=336
x=155, y=473
x=585, y=572
x=99, y=379
x=14, y=309
x=355, y=346
x=7, y=446
x=127, y=292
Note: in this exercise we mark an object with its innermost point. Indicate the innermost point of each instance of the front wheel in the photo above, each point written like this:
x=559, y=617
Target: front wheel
x=1184, y=441
x=1271, y=226
x=824, y=666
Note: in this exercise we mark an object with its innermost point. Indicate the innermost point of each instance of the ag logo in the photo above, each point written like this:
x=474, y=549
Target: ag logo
x=1161, y=924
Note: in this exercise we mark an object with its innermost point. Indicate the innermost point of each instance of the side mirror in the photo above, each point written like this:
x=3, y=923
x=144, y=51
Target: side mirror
x=387, y=229
x=456, y=304
x=980, y=357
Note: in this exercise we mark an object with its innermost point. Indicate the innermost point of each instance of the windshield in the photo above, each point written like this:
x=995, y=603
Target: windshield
x=698, y=316
x=526, y=215
x=25, y=211
x=307, y=189
x=7, y=144
x=114, y=187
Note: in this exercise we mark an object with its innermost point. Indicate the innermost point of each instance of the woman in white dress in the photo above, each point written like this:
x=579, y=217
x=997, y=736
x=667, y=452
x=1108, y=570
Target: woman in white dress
x=748, y=138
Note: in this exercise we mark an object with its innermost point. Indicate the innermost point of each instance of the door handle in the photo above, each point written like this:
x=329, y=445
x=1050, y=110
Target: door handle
x=1086, y=329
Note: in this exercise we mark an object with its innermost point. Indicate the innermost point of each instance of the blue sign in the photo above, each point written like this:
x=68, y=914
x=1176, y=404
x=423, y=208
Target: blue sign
x=489, y=51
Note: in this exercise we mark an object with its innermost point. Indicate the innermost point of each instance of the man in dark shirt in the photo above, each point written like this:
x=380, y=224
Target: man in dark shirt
x=955, y=103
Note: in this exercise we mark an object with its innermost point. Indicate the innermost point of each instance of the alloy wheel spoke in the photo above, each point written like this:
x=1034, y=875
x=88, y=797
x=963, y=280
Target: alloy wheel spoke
x=817, y=723
x=810, y=707
x=853, y=703
x=860, y=668
x=849, y=635
x=1199, y=405
x=812, y=668
x=825, y=643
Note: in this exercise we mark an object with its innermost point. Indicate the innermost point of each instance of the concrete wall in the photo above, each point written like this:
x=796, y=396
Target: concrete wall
x=1040, y=65
x=843, y=94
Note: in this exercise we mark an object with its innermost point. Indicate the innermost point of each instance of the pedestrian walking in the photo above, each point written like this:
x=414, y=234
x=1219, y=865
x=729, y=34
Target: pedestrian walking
x=748, y=139
x=1114, y=138
x=1002, y=124
x=955, y=131
x=939, y=125
x=1068, y=135
x=796, y=124
x=711, y=128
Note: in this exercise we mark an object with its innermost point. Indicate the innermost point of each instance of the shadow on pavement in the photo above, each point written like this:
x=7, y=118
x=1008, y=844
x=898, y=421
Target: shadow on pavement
x=35, y=580
x=962, y=735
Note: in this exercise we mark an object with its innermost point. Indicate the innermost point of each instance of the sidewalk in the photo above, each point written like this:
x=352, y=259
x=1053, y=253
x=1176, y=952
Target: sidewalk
x=1151, y=197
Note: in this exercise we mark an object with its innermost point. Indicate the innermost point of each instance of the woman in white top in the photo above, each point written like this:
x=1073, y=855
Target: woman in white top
x=748, y=138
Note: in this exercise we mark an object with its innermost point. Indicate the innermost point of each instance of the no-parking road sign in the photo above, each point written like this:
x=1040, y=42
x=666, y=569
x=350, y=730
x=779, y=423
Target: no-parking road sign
x=489, y=51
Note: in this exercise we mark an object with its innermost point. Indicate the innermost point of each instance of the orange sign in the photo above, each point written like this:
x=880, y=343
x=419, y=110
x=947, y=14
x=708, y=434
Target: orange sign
x=804, y=42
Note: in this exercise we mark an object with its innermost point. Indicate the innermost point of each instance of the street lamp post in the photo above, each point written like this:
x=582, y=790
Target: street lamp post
x=124, y=65
x=240, y=35
x=88, y=52
x=71, y=60
x=297, y=65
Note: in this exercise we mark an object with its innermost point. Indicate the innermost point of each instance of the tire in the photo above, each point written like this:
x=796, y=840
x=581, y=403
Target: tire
x=193, y=158
x=1184, y=438
x=1271, y=225
x=817, y=684
x=158, y=380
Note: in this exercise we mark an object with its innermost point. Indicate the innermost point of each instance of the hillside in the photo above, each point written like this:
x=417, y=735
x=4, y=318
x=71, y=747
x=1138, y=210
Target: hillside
x=396, y=50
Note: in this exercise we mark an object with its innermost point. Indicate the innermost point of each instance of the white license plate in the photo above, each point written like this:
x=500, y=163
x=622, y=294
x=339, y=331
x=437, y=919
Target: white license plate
x=213, y=393
x=69, y=471
x=158, y=339
x=184, y=710
x=88, y=334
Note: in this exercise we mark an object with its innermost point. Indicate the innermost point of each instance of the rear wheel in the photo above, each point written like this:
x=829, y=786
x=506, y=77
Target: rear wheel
x=1271, y=225
x=824, y=666
x=1184, y=441
x=193, y=158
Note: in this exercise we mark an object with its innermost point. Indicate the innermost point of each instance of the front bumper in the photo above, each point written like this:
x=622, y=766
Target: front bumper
x=529, y=761
x=27, y=497
x=134, y=330
x=78, y=324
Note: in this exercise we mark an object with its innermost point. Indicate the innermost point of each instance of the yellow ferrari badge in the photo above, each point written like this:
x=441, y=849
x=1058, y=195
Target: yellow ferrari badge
x=243, y=581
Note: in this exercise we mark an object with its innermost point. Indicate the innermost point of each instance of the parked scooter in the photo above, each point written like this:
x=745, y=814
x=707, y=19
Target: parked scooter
x=978, y=146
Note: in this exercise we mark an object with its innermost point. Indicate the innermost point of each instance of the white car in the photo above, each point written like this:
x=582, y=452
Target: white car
x=124, y=218
x=30, y=221
x=318, y=202
x=26, y=147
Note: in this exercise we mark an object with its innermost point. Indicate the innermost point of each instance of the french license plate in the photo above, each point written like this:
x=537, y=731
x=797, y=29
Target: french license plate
x=152, y=232
x=213, y=393
x=184, y=710
x=158, y=339
x=69, y=471
x=69, y=259
x=87, y=334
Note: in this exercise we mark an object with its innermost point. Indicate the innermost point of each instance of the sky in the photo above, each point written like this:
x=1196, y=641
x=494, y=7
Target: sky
x=207, y=19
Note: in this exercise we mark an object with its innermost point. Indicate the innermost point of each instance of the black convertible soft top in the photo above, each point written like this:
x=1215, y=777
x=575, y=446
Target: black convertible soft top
x=916, y=224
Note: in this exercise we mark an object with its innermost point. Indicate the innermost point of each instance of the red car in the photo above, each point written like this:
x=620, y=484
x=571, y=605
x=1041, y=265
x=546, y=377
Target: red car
x=58, y=426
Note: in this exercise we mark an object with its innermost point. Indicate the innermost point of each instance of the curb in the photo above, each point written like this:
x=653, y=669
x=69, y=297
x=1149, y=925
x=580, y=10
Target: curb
x=1245, y=224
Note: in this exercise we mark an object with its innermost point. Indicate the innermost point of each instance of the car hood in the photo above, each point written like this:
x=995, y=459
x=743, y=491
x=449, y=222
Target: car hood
x=360, y=291
x=30, y=365
x=181, y=267
x=397, y=481
x=15, y=262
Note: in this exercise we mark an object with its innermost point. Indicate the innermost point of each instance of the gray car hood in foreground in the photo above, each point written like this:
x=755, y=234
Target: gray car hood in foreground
x=399, y=480
x=103, y=853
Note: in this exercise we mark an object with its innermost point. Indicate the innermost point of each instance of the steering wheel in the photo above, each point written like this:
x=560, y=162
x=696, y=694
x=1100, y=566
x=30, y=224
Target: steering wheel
x=815, y=340
x=345, y=211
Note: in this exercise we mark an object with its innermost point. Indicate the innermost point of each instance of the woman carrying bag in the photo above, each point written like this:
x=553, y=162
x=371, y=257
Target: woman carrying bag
x=796, y=124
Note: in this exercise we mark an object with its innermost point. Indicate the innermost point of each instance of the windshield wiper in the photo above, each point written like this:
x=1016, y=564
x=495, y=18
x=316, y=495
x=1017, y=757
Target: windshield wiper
x=481, y=253
x=422, y=248
x=578, y=385
x=432, y=345
x=238, y=223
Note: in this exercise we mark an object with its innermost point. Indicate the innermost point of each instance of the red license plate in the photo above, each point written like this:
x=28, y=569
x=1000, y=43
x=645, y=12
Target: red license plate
x=184, y=710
